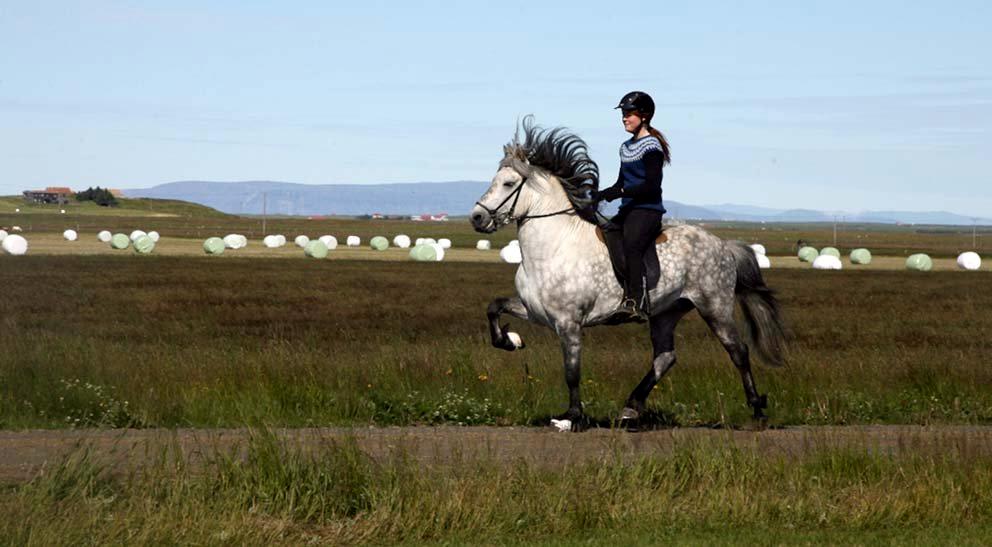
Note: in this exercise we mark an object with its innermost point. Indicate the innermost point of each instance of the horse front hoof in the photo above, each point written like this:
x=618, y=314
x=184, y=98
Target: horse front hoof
x=515, y=340
x=629, y=414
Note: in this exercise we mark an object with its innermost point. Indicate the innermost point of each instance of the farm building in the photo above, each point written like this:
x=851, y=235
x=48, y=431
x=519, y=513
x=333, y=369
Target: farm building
x=52, y=194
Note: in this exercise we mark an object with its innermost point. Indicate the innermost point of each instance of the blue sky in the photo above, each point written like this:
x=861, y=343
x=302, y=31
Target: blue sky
x=829, y=105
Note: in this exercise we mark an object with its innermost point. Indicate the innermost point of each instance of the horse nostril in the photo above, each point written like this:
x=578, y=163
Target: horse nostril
x=477, y=218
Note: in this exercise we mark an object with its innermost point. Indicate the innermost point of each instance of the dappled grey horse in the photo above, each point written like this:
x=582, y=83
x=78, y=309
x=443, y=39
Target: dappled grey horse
x=566, y=280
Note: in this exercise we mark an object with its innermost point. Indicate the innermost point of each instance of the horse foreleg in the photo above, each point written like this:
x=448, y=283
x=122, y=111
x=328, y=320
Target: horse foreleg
x=663, y=343
x=571, y=349
x=500, y=336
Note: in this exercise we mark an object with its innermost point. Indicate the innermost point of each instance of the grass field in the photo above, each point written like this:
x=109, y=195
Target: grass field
x=173, y=341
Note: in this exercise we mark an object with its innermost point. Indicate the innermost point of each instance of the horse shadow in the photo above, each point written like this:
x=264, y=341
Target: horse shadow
x=650, y=420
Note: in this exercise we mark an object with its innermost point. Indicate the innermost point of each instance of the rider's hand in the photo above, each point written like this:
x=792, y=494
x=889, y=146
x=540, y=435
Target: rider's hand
x=609, y=194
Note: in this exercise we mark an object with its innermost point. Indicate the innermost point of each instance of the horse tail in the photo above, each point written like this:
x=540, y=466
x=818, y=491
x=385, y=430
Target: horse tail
x=760, y=307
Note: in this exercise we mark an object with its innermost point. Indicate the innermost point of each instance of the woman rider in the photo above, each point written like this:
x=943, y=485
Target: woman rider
x=638, y=222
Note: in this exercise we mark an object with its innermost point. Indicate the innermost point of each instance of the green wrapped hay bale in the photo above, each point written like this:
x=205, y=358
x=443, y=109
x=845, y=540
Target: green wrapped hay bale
x=830, y=251
x=214, y=246
x=379, y=243
x=144, y=245
x=861, y=256
x=919, y=262
x=424, y=253
x=808, y=254
x=315, y=249
x=120, y=241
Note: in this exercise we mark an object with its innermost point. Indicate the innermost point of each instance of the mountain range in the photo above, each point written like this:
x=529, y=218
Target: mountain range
x=456, y=198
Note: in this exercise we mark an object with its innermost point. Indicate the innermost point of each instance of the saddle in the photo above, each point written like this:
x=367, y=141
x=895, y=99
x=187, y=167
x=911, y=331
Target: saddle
x=652, y=269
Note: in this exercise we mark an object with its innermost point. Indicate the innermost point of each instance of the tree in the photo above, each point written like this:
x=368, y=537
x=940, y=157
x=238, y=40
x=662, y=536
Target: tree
x=101, y=196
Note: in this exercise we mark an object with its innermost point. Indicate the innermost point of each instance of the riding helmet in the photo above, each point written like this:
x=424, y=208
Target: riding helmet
x=639, y=101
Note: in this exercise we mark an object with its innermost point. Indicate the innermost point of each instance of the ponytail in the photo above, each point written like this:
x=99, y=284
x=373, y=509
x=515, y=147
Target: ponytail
x=664, y=143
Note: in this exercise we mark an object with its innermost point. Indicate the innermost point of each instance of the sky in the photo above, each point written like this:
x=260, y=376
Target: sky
x=825, y=105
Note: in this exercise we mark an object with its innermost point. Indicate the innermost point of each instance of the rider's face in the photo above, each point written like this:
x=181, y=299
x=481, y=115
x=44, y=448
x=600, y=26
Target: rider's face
x=631, y=121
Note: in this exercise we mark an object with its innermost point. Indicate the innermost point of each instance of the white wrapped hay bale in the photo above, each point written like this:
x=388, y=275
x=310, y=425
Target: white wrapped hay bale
x=154, y=235
x=969, y=261
x=763, y=261
x=136, y=234
x=861, y=256
x=402, y=241
x=120, y=241
x=830, y=251
x=808, y=254
x=270, y=241
x=438, y=252
x=281, y=239
x=301, y=241
x=483, y=245
x=919, y=262
x=70, y=235
x=104, y=236
x=511, y=254
x=315, y=249
x=3, y=235
x=330, y=242
x=759, y=249
x=379, y=243
x=424, y=253
x=144, y=245
x=15, y=245
x=232, y=241
x=214, y=246
x=353, y=241
x=444, y=242
x=514, y=242
x=827, y=262
x=428, y=241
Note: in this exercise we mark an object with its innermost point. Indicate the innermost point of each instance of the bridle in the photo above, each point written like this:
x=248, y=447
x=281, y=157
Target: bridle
x=502, y=219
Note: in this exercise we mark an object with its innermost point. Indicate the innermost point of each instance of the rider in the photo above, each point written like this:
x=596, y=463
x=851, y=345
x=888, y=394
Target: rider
x=638, y=222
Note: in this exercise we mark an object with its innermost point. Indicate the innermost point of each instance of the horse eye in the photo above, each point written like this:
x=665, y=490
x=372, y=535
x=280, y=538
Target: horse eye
x=509, y=184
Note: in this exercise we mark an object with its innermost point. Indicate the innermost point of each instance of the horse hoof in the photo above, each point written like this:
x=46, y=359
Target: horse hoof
x=629, y=414
x=563, y=426
x=515, y=339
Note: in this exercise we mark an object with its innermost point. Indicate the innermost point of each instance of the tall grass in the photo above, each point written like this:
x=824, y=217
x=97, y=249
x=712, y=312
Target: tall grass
x=275, y=492
x=168, y=341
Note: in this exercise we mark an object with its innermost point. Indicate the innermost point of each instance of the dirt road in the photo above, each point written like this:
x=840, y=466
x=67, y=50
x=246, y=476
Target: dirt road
x=24, y=453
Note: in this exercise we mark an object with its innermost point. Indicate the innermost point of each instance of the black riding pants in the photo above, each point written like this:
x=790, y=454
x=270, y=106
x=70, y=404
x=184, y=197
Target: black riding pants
x=640, y=228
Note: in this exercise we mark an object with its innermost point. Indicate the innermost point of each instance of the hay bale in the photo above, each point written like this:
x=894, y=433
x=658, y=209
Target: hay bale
x=154, y=235
x=808, y=254
x=919, y=262
x=301, y=241
x=104, y=236
x=214, y=246
x=969, y=261
x=438, y=252
x=379, y=243
x=444, y=242
x=330, y=242
x=270, y=241
x=861, y=256
x=315, y=249
x=15, y=245
x=514, y=242
x=830, y=251
x=402, y=241
x=763, y=261
x=353, y=241
x=827, y=262
x=483, y=245
x=511, y=254
x=70, y=235
x=144, y=245
x=136, y=234
x=759, y=249
x=3, y=235
x=424, y=253
x=235, y=241
x=282, y=239
x=120, y=241
x=428, y=241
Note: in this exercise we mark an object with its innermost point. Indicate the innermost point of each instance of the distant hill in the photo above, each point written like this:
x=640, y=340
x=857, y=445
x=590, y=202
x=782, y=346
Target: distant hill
x=127, y=207
x=456, y=198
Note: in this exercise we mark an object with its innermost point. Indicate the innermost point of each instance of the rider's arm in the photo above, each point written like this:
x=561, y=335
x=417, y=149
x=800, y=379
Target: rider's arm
x=613, y=192
x=653, y=160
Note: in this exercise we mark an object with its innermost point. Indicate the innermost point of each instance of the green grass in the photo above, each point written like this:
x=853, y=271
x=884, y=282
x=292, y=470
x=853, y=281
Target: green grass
x=277, y=493
x=108, y=341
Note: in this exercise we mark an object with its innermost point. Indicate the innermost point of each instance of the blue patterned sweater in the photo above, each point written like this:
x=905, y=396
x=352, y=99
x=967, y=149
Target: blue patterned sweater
x=641, y=174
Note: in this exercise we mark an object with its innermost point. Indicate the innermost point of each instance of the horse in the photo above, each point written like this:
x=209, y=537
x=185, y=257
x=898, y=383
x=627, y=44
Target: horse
x=565, y=280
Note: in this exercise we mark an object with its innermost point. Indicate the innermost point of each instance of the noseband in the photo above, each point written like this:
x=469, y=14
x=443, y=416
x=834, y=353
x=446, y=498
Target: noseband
x=507, y=217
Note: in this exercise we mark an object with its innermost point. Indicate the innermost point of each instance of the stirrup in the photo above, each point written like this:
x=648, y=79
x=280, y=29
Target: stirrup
x=628, y=307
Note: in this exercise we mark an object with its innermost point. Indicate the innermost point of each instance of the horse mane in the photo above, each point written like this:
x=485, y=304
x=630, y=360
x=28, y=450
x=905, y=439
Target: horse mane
x=562, y=154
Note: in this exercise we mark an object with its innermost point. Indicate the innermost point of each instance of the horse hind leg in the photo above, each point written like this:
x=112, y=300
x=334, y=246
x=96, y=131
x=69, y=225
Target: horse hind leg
x=663, y=344
x=725, y=329
x=501, y=337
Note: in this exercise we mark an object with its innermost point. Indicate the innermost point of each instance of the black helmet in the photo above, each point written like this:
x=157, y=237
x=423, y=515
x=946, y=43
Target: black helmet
x=639, y=101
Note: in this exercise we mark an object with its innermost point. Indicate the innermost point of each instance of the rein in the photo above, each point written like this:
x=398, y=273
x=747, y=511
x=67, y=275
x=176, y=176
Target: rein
x=515, y=194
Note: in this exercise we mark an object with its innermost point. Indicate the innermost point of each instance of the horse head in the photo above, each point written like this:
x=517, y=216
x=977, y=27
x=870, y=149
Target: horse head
x=501, y=202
